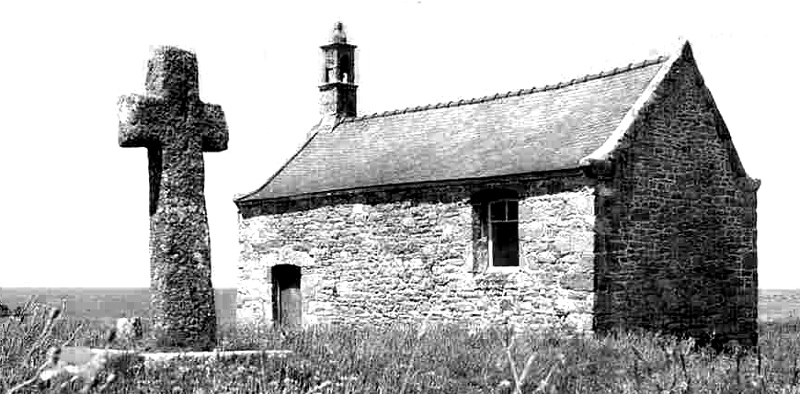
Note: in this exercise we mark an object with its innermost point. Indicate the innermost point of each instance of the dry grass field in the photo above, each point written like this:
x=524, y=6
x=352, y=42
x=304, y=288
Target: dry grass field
x=432, y=358
x=417, y=359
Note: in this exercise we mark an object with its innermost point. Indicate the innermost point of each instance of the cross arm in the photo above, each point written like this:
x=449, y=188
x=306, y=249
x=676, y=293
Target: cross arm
x=212, y=126
x=138, y=114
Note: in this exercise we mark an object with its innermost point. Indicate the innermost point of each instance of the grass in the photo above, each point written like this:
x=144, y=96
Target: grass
x=437, y=359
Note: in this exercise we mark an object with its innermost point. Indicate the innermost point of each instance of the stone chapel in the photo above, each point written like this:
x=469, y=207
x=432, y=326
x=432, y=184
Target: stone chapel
x=613, y=200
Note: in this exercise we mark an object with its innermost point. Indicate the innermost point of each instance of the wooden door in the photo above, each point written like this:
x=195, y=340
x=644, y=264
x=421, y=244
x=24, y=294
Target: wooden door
x=287, y=297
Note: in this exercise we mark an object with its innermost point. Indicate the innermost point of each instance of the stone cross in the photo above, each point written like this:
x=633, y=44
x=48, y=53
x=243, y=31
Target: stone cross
x=176, y=128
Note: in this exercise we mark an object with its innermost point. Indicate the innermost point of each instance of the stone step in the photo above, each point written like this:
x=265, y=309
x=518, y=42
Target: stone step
x=84, y=363
x=164, y=356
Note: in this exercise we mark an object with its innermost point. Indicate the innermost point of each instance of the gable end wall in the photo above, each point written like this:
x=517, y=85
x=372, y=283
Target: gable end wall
x=677, y=221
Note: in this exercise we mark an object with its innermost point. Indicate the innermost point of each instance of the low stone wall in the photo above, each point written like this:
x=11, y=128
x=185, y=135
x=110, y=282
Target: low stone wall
x=378, y=262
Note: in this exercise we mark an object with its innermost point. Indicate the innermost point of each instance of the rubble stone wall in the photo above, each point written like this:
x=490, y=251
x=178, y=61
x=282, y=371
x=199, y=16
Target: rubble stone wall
x=677, y=220
x=384, y=257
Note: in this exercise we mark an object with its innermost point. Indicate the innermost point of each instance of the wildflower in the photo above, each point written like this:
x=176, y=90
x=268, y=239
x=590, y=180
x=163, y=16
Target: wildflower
x=128, y=329
x=81, y=363
x=500, y=362
x=504, y=383
x=321, y=386
x=54, y=313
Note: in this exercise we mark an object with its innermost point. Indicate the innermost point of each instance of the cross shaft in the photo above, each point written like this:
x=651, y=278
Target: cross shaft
x=176, y=128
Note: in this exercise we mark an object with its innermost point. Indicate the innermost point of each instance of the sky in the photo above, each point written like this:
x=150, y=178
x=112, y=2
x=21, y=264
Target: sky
x=74, y=205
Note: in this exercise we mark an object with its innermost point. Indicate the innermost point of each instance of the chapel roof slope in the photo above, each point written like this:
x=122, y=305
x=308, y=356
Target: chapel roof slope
x=531, y=130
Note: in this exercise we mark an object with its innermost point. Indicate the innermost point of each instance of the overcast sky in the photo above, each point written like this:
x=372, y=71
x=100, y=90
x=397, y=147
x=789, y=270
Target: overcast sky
x=73, y=207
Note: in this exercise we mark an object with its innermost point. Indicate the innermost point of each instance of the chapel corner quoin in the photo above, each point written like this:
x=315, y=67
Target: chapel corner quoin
x=613, y=200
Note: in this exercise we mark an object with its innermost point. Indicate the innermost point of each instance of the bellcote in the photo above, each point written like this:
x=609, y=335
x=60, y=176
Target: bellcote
x=338, y=88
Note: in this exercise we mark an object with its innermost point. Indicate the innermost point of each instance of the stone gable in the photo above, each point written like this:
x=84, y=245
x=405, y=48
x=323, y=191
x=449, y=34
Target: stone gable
x=678, y=213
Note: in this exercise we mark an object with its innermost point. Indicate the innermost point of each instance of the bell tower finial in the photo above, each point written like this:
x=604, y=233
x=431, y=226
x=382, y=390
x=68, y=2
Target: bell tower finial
x=338, y=89
x=338, y=36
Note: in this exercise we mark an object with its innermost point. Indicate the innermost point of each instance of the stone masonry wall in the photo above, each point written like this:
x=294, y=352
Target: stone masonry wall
x=677, y=222
x=384, y=257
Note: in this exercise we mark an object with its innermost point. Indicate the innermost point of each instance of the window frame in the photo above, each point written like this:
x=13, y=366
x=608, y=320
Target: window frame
x=490, y=226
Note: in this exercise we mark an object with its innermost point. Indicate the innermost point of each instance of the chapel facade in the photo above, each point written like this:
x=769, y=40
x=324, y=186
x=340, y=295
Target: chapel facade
x=613, y=200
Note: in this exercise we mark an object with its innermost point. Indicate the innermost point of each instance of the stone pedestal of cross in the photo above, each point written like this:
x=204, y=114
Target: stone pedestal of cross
x=176, y=128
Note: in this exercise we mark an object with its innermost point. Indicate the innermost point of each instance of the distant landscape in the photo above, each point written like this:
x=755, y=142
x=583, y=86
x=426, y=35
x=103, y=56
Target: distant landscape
x=778, y=305
x=110, y=303
x=107, y=303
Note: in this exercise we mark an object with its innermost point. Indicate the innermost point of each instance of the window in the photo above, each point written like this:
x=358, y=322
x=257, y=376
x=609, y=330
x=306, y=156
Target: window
x=504, y=233
x=495, y=227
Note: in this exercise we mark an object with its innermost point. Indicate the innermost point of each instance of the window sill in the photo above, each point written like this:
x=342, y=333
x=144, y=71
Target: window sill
x=502, y=269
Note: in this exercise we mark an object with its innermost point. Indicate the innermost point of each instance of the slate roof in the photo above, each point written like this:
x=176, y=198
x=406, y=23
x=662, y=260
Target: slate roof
x=526, y=131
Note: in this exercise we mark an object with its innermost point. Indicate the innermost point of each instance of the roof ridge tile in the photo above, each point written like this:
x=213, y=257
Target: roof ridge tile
x=562, y=84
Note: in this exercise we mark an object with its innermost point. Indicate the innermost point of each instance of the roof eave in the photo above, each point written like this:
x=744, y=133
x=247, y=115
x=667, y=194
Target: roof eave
x=576, y=170
x=326, y=123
